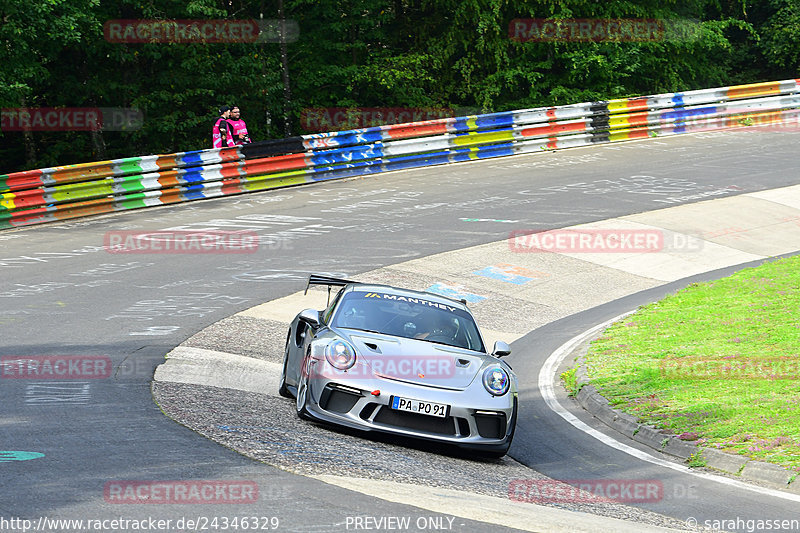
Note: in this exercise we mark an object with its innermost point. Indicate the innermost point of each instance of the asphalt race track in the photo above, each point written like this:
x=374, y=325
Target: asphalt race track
x=63, y=294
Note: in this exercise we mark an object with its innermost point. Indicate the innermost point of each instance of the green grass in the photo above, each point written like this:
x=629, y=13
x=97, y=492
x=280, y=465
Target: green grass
x=570, y=381
x=696, y=460
x=717, y=363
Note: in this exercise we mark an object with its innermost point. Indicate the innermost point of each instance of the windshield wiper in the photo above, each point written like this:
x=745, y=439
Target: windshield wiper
x=366, y=330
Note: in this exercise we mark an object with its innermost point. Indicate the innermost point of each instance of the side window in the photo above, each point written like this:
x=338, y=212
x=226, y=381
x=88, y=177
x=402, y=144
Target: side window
x=326, y=315
x=300, y=333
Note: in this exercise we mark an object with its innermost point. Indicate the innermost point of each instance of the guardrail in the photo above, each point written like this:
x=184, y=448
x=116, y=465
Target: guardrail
x=58, y=193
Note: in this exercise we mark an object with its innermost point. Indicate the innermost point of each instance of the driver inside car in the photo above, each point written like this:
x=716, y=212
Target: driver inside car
x=439, y=328
x=354, y=318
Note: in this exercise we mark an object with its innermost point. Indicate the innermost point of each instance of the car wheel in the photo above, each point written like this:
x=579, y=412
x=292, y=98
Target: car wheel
x=302, y=392
x=282, y=389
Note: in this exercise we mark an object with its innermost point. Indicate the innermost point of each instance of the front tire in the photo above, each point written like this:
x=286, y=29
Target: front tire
x=302, y=398
x=302, y=390
x=282, y=389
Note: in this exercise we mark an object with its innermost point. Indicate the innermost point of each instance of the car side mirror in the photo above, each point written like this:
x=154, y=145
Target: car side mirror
x=501, y=349
x=311, y=316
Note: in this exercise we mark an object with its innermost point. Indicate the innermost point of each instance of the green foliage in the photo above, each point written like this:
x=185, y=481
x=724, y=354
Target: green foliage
x=696, y=460
x=780, y=36
x=367, y=53
x=570, y=382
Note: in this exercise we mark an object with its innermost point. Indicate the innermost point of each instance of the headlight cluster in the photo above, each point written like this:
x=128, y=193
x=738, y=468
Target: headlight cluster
x=496, y=380
x=340, y=354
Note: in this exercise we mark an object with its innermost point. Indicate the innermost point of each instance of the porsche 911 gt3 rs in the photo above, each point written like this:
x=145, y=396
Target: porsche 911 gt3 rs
x=393, y=360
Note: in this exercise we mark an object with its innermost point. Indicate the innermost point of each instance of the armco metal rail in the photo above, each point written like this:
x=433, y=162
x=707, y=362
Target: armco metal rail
x=58, y=193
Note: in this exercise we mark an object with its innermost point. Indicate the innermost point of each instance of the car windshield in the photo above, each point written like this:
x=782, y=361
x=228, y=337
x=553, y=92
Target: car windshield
x=409, y=317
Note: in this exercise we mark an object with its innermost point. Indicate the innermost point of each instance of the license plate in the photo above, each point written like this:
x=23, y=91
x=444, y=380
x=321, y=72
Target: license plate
x=417, y=406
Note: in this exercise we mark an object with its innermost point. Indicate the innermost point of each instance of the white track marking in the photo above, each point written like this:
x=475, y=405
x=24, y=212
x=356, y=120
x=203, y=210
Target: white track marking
x=547, y=376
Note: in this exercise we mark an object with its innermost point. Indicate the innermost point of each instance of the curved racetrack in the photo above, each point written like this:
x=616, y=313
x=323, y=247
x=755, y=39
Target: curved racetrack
x=63, y=294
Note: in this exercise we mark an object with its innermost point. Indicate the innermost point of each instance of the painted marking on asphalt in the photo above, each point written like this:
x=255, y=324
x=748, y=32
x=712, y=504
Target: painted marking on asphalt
x=156, y=330
x=510, y=273
x=283, y=275
x=487, y=220
x=7, y=456
x=547, y=376
x=197, y=304
x=58, y=392
x=454, y=291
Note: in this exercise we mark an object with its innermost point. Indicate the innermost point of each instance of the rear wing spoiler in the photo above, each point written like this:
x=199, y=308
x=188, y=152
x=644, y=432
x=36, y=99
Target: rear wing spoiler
x=315, y=279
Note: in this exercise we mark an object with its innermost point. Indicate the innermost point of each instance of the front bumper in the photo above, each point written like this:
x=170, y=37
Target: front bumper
x=476, y=420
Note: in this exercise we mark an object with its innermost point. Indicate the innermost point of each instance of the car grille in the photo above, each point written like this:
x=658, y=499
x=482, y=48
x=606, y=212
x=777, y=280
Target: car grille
x=337, y=400
x=367, y=411
x=416, y=422
x=491, y=426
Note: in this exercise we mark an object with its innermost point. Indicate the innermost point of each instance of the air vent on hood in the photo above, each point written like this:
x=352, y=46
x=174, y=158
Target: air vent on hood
x=372, y=346
x=462, y=362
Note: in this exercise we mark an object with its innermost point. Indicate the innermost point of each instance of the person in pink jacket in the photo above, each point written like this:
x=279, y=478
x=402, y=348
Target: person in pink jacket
x=240, y=135
x=222, y=133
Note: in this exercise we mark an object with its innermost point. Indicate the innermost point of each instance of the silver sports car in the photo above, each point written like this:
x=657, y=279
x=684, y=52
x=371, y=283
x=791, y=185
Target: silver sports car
x=411, y=363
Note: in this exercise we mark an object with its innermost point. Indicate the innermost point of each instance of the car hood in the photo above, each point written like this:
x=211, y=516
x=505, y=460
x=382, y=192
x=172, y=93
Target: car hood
x=417, y=361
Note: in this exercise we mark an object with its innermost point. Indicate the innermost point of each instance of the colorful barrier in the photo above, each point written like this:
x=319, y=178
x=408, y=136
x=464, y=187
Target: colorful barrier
x=59, y=193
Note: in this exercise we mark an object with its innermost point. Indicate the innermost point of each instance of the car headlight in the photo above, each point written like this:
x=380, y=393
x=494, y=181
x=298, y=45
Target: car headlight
x=496, y=380
x=340, y=354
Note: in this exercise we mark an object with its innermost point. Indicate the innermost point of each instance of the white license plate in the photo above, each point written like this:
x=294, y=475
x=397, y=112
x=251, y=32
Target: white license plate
x=417, y=406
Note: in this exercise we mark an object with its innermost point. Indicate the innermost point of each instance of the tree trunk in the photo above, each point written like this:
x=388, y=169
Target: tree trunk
x=287, y=91
x=98, y=145
x=29, y=141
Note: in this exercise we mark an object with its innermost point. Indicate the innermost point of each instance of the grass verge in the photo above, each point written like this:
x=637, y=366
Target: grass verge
x=716, y=362
x=570, y=382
